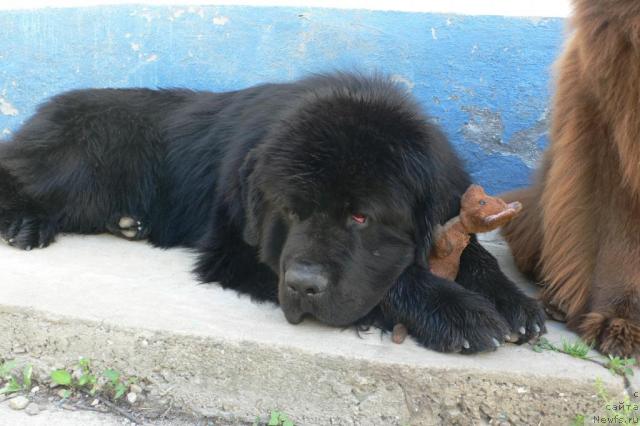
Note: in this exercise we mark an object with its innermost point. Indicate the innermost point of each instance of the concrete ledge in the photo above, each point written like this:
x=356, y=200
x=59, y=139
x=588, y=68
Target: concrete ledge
x=137, y=308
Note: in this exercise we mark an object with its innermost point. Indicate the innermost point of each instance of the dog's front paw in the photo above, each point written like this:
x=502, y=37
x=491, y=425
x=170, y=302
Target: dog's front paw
x=462, y=321
x=27, y=231
x=525, y=316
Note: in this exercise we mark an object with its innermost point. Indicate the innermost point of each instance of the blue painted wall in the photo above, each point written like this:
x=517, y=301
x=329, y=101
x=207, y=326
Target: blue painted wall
x=486, y=80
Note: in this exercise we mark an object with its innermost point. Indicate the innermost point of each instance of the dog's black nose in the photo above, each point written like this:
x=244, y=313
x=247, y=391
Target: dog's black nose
x=306, y=279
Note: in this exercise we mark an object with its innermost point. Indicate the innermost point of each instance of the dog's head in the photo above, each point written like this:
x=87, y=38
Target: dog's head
x=341, y=199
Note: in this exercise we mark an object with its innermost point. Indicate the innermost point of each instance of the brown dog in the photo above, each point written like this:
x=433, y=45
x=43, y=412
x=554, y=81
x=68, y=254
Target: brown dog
x=579, y=233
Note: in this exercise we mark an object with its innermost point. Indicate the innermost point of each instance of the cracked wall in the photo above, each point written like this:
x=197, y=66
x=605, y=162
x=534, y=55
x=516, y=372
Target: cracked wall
x=485, y=129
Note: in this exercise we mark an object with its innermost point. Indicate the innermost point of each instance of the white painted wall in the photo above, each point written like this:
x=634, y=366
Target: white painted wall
x=540, y=8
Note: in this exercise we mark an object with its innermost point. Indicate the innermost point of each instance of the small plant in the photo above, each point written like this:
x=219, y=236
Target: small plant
x=62, y=378
x=542, y=344
x=578, y=420
x=577, y=349
x=87, y=381
x=14, y=383
x=621, y=366
x=87, y=378
x=276, y=418
x=623, y=412
x=117, y=386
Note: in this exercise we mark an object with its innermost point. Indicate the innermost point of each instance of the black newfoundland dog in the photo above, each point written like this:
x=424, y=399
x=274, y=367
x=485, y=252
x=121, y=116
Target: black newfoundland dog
x=320, y=195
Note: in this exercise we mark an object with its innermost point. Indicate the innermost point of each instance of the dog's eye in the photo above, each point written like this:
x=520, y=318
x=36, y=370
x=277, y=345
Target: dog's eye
x=483, y=202
x=359, y=218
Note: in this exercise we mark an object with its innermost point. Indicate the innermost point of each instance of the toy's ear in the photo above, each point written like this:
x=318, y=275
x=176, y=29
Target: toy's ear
x=252, y=200
x=472, y=195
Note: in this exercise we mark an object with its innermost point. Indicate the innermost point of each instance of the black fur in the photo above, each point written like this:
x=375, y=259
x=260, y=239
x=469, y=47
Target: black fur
x=265, y=180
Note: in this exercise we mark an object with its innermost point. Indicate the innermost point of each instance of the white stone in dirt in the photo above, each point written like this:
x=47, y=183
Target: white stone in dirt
x=32, y=409
x=19, y=402
x=95, y=402
x=132, y=397
x=135, y=389
x=35, y=389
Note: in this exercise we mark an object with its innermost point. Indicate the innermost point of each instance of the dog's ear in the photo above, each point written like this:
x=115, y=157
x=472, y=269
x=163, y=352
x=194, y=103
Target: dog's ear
x=432, y=209
x=252, y=200
x=440, y=181
x=423, y=233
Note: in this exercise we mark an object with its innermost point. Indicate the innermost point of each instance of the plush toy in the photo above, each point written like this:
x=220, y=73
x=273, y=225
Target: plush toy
x=479, y=213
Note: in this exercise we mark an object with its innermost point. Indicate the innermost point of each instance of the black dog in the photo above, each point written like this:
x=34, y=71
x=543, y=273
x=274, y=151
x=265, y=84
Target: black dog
x=320, y=195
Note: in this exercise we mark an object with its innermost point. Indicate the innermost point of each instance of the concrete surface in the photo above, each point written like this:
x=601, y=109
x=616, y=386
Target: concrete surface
x=484, y=79
x=217, y=355
x=9, y=417
x=51, y=415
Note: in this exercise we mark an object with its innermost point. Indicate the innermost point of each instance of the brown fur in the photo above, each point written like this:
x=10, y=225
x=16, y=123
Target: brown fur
x=581, y=234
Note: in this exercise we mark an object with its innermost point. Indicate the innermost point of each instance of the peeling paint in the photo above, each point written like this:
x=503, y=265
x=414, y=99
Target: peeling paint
x=135, y=46
x=433, y=33
x=525, y=142
x=6, y=108
x=485, y=128
x=196, y=11
x=220, y=20
x=404, y=81
x=152, y=58
x=144, y=13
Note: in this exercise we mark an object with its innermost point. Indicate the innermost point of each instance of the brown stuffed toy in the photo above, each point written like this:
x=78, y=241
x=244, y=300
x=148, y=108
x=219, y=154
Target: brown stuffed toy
x=479, y=213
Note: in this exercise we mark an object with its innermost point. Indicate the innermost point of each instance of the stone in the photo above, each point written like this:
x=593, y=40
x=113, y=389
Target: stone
x=132, y=397
x=19, y=402
x=32, y=409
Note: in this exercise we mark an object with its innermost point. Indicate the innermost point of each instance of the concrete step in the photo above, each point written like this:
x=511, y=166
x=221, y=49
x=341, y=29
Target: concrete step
x=211, y=354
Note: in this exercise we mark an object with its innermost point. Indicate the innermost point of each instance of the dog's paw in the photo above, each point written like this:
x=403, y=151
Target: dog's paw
x=128, y=227
x=611, y=335
x=465, y=322
x=28, y=232
x=525, y=317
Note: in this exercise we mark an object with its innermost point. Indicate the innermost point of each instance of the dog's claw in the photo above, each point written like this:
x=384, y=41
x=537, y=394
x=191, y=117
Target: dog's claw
x=466, y=344
x=522, y=330
x=496, y=343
